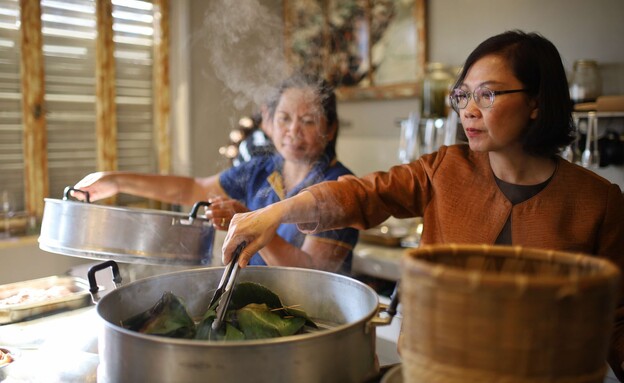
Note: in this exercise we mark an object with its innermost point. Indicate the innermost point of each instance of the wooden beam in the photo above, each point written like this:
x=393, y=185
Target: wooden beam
x=106, y=111
x=33, y=111
x=161, y=85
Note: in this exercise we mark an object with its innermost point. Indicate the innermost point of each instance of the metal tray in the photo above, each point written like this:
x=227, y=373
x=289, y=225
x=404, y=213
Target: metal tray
x=79, y=297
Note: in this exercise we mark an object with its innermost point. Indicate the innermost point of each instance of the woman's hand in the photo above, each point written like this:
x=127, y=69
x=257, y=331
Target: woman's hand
x=257, y=228
x=221, y=211
x=99, y=185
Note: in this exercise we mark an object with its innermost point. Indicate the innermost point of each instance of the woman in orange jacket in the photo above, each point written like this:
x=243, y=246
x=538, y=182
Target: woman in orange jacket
x=508, y=185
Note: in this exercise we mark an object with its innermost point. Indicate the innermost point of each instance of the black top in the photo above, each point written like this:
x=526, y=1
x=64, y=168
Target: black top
x=515, y=194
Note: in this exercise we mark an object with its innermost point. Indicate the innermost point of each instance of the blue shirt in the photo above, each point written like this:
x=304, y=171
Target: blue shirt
x=258, y=183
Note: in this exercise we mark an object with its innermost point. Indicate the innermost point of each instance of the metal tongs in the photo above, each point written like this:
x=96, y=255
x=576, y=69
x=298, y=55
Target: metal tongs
x=223, y=294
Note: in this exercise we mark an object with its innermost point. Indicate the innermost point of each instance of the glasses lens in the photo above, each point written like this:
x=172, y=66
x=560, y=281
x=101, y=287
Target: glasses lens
x=484, y=97
x=459, y=99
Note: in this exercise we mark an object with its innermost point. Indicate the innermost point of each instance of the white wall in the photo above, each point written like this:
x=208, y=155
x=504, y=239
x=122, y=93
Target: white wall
x=580, y=29
x=23, y=260
x=369, y=135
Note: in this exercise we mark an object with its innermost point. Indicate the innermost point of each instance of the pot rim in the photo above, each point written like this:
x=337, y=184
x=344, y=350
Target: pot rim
x=120, y=209
x=596, y=270
x=256, y=342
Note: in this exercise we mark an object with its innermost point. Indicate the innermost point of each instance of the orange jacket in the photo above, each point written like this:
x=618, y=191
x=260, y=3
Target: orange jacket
x=455, y=192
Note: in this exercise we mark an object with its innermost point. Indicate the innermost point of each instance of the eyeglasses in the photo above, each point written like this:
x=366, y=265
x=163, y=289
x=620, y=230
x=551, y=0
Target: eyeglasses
x=482, y=96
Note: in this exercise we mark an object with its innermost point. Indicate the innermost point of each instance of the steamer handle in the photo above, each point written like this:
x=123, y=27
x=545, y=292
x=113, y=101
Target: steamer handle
x=93, y=286
x=195, y=208
x=394, y=301
x=69, y=189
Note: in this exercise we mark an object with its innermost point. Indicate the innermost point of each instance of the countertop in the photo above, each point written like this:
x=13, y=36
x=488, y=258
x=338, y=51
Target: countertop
x=379, y=251
x=377, y=261
x=63, y=348
x=56, y=348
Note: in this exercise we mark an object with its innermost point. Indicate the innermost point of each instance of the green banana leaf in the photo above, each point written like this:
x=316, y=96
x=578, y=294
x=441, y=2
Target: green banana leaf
x=258, y=321
x=249, y=292
x=205, y=331
x=168, y=317
x=295, y=312
x=255, y=312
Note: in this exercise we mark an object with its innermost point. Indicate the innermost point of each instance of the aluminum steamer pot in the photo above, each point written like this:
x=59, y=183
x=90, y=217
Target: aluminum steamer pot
x=130, y=235
x=342, y=353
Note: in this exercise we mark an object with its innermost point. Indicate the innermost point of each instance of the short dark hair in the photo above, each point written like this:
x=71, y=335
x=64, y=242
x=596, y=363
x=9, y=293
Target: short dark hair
x=536, y=62
x=325, y=93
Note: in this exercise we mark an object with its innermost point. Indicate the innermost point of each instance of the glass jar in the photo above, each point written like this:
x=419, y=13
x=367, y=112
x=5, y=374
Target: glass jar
x=435, y=90
x=585, y=85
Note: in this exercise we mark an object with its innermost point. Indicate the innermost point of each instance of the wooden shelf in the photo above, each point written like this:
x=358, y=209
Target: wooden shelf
x=598, y=114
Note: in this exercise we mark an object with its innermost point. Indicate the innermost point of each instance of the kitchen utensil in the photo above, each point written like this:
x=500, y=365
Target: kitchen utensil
x=6, y=213
x=409, y=144
x=572, y=152
x=612, y=149
x=394, y=300
x=450, y=128
x=131, y=235
x=436, y=85
x=223, y=294
x=478, y=313
x=347, y=310
x=568, y=153
x=585, y=84
x=593, y=124
x=430, y=135
x=591, y=155
x=586, y=156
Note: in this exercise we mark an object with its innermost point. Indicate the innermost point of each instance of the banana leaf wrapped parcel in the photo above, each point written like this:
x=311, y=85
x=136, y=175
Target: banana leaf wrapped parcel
x=254, y=312
x=168, y=317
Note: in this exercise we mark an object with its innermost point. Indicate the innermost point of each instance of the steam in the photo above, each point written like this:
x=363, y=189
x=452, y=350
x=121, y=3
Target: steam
x=244, y=41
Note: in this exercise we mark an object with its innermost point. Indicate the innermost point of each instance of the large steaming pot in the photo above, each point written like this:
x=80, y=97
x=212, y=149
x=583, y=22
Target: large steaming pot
x=343, y=353
x=133, y=235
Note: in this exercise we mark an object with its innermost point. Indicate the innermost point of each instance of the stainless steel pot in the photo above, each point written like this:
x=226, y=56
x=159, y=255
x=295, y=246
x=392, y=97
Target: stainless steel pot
x=345, y=352
x=129, y=235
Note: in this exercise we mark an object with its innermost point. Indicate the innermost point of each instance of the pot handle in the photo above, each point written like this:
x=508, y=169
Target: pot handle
x=386, y=313
x=93, y=286
x=69, y=189
x=193, y=213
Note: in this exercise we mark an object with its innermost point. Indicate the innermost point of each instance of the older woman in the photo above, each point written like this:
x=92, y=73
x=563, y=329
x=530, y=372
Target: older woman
x=507, y=186
x=304, y=129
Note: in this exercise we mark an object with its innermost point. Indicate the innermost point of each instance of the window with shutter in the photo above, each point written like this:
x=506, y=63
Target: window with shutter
x=73, y=143
x=11, y=147
x=133, y=36
x=69, y=32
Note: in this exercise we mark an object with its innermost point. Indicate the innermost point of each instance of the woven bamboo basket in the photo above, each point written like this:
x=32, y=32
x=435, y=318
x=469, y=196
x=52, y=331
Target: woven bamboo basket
x=477, y=313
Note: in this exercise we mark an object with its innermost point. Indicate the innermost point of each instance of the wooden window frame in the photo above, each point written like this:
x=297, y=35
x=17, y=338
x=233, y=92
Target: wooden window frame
x=33, y=91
